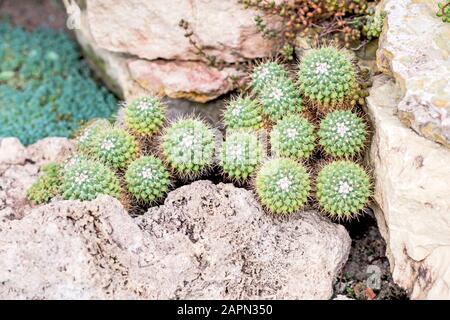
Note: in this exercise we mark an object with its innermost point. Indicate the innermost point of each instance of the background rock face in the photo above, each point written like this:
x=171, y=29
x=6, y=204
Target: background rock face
x=415, y=49
x=412, y=190
x=206, y=241
x=144, y=40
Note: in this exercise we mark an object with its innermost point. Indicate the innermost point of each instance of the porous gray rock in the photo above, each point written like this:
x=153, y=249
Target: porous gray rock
x=207, y=241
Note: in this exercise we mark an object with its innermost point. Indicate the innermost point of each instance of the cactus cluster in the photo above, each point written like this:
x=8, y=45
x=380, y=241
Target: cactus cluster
x=240, y=154
x=188, y=147
x=120, y=161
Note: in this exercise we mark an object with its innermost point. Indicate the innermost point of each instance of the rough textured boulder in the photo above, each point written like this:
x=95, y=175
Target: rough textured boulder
x=139, y=45
x=415, y=50
x=206, y=241
x=412, y=192
x=19, y=169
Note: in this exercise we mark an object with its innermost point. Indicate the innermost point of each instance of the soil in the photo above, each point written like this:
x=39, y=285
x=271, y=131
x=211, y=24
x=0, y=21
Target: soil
x=365, y=276
x=32, y=14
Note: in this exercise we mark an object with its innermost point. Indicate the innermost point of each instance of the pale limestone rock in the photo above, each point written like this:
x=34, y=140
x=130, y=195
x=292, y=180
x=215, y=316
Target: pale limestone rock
x=415, y=49
x=138, y=48
x=11, y=151
x=149, y=29
x=207, y=241
x=412, y=192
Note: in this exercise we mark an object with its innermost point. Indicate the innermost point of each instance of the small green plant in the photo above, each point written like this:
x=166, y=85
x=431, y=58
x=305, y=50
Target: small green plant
x=444, y=11
x=240, y=154
x=280, y=98
x=282, y=185
x=374, y=24
x=342, y=189
x=342, y=134
x=144, y=116
x=293, y=137
x=47, y=186
x=188, y=147
x=265, y=73
x=114, y=147
x=147, y=179
x=328, y=78
x=87, y=179
x=45, y=87
x=85, y=135
x=243, y=113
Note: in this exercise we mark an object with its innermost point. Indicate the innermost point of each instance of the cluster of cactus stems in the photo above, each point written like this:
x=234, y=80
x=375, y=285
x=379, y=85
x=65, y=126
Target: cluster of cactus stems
x=274, y=137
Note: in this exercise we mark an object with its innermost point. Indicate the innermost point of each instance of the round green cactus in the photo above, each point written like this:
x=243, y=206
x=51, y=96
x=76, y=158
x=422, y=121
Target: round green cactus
x=114, y=147
x=147, y=179
x=282, y=185
x=293, y=137
x=86, y=179
x=47, y=186
x=243, y=113
x=240, y=154
x=188, y=147
x=342, y=134
x=342, y=189
x=328, y=78
x=280, y=98
x=85, y=136
x=266, y=73
x=374, y=25
x=144, y=116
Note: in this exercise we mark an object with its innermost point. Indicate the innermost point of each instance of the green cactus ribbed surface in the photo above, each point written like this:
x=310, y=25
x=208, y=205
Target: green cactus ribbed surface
x=114, y=147
x=282, y=185
x=243, y=113
x=293, y=137
x=147, y=179
x=342, y=189
x=144, y=116
x=327, y=77
x=342, y=134
x=188, y=146
x=87, y=179
x=240, y=154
